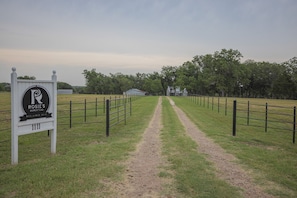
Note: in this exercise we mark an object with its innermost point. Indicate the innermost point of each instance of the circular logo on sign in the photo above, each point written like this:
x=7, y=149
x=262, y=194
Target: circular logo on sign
x=35, y=103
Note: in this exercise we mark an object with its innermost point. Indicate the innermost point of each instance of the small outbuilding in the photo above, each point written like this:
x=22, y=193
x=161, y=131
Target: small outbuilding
x=134, y=92
x=64, y=91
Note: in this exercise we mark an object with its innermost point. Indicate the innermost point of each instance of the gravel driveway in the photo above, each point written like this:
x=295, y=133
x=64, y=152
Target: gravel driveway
x=143, y=167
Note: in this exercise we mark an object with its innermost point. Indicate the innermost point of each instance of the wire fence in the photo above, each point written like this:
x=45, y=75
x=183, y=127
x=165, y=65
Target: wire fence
x=265, y=116
x=246, y=113
x=5, y=125
x=107, y=112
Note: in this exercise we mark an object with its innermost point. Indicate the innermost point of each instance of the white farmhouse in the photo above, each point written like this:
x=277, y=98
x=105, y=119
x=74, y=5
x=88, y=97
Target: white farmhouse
x=176, y=91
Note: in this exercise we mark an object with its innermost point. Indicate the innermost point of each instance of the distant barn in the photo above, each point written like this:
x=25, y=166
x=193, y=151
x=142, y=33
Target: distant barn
x=65, y=91
x=134, y=92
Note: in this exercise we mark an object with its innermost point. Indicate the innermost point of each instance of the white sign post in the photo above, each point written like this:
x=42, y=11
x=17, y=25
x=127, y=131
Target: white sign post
x=33, y=109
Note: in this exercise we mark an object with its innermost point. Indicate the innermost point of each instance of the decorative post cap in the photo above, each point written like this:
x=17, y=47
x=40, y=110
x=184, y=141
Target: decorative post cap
x=13, y=69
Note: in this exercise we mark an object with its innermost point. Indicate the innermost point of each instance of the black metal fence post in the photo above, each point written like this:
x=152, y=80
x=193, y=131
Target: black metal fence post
x=234, y=118
x=107, y=118
x=85, y=110
x=266, y=116
x=294, y=124
x=70, y=114
x=130, y=107
x=218, y=104
x=96, y=108
x=125, y=111
x=118, y=109
x=226, y=106
x=248, y=114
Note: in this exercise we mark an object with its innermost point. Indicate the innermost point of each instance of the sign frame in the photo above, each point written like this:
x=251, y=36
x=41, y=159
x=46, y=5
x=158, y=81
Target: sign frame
x=33, y=109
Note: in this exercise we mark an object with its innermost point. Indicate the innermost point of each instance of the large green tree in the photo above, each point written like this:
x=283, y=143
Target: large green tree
x=187, y=76
x=207, y=80
x=27, y=77
x=96, y=82
x=226, y=66
x=220, y=73
x=291, y=76
x=121, y=83
x=152, y=84
x=63, y=85
x=168, y=77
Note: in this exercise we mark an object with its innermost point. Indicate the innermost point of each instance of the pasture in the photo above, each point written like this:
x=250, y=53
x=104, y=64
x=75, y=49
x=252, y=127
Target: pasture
x=86, y=160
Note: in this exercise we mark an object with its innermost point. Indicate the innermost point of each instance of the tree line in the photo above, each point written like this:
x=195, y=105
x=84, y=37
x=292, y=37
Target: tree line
x=60, y=85
x=221, y=73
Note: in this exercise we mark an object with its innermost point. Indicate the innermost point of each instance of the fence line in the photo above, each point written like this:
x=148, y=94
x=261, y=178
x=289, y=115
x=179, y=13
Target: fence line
x=272, y=123
x=86, y=112
x=209, y=102
x=5, y=124
x=117, y=113
x=255, y=115
x=78, y=112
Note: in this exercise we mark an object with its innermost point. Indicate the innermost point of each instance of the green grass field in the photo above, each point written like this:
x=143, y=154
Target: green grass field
x=86, y=159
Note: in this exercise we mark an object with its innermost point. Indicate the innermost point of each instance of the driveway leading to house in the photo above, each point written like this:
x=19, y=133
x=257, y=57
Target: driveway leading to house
x=142, y=178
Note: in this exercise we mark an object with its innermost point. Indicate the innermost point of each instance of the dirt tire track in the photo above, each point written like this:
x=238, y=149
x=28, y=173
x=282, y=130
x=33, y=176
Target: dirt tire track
x=225, y=164
x=142, y=173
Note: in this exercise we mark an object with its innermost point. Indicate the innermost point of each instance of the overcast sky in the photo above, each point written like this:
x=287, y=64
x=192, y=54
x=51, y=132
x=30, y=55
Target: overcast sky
x=130, y=36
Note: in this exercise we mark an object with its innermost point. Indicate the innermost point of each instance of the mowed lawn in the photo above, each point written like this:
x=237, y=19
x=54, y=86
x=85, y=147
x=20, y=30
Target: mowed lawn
x=87, y=161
